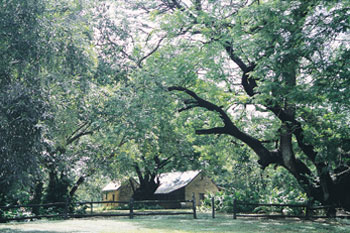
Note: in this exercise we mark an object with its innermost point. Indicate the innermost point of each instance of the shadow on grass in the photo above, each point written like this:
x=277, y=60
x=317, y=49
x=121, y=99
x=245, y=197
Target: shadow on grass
x=10, y=230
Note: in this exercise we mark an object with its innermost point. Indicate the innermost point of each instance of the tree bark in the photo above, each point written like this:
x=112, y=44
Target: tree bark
x=76, y=186
x=148, y=184
x=37, y=196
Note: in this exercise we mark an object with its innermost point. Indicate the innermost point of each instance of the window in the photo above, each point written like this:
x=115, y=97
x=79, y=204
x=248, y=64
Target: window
x=106, y=196
x=201, y=196
x=113, y=197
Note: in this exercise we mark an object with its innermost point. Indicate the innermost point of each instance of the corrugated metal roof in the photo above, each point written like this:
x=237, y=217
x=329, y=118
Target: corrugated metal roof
x=115, y=185
x=172, y=181
x=169, y=182
x=112, y=186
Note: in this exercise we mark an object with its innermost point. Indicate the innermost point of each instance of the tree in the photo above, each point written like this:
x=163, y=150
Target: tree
x=142, y=133
x=46, y=61
x=288, y=59
x=20, y=98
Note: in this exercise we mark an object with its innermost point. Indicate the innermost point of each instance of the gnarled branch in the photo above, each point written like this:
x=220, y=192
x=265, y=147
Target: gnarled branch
x=266, y=157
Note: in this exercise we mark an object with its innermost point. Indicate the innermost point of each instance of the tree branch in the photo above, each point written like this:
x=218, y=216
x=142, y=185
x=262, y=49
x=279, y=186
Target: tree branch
x=79, y=128
x=249, y=84
x=151, y=52
x=139, y=173
x=217, y=130
x=161, y=163
x=230, y=51
x=266, y=157
x=72, y=139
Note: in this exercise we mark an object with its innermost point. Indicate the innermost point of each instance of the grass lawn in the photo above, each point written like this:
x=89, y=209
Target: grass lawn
x=178, y=224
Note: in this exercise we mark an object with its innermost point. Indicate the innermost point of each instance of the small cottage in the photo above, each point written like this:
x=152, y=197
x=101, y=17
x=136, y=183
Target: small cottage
x=173, y=186
x=119, y=191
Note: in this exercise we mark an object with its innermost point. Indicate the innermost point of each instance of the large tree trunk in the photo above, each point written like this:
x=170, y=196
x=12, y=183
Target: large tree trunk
x=76, y=186
x=148, y=185
x=37, y=196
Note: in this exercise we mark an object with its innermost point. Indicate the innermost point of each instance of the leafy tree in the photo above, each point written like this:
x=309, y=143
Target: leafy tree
x=283, y=59
x=46, y=61
x=21, y=102
x=141, y=132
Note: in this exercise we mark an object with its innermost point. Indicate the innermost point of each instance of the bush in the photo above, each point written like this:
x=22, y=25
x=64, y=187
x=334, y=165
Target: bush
x=223, y=201
x=278, y=186
x=283, y=196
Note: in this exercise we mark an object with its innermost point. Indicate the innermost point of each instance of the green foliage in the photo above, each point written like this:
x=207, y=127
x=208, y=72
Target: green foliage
x=241, y=179
x=20, y=136
x=294, y=55
x=282, y=188
x=20, y=100
x=46, y=58
x=83, y=92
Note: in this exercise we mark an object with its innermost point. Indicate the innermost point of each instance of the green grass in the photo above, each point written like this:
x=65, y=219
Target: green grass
x=178, y=224
x=224, y=223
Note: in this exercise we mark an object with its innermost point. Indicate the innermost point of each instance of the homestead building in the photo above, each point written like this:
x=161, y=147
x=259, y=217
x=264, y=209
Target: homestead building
x=119, y=191
x=173, y=186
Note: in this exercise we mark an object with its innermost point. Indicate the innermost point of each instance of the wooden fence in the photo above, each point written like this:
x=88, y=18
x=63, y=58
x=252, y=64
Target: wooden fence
x=131, y=211
x=308, y=210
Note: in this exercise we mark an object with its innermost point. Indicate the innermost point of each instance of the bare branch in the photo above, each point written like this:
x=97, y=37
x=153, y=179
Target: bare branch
x=71, y=140
x=151, y=52
x=79, y=128
x=75, y=135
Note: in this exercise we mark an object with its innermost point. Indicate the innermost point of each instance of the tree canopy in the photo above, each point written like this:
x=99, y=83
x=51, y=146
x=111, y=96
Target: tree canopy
x=157, y=85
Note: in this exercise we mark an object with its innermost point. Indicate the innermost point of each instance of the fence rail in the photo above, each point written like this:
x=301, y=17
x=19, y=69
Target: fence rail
x=130, y=208
x=307, y=206
x=130, y=211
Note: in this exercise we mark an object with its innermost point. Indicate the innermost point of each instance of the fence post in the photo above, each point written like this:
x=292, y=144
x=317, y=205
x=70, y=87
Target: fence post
x=91, y=207
x=212, y=207
x=308, y=210
x=234, y=209
x=66, y=208
x=131, y=207
x=194, y=206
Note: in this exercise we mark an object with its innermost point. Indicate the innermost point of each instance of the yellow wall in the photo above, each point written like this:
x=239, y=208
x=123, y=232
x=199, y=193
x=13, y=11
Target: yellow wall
x=124, y=193
x=199, y=186
x=108, y=196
